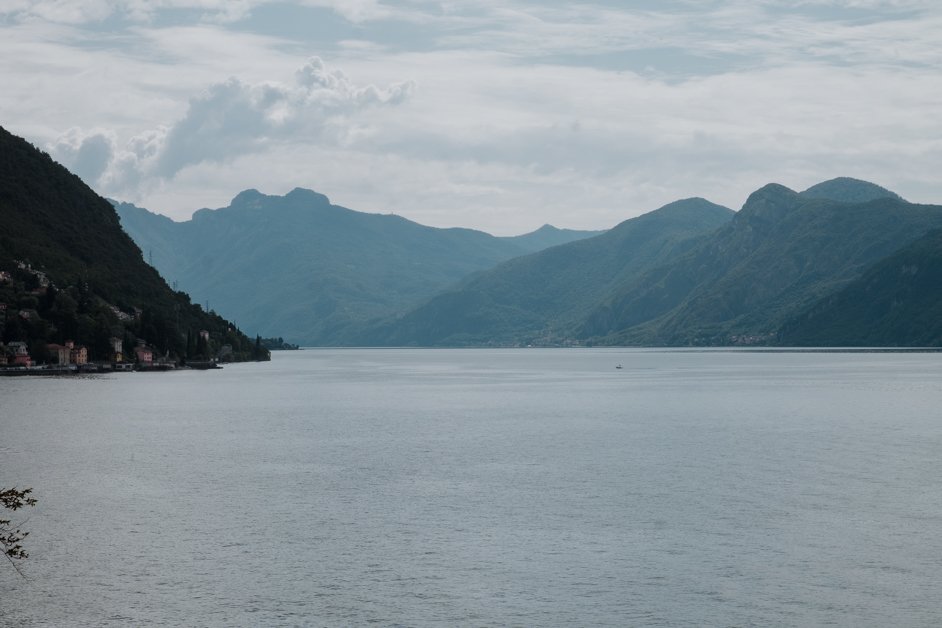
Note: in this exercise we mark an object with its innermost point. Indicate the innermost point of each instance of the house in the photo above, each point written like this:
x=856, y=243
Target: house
x=61, y=353
x=117, y=349
x=143, y=354
x=78, y=355
x=204, y=334
x=21, y=354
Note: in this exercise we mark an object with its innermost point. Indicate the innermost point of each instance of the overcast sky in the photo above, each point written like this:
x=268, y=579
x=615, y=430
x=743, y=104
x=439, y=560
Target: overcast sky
x=496, y=115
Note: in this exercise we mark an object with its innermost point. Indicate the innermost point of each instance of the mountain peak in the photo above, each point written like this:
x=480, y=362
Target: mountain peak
x=247, y=198
x=693, y=203
x=849, y=190
x=772, y=192
x=304, y=195
x=687, y=208
x=769, y=204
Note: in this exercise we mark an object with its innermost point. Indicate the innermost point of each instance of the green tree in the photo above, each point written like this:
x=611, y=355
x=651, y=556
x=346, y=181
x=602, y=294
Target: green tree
x=202, y=348
x=11, y=537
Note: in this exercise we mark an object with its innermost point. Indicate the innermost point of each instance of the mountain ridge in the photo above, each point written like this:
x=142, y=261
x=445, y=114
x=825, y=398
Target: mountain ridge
x=782, y=252
x=319, y=267
x=535, y=299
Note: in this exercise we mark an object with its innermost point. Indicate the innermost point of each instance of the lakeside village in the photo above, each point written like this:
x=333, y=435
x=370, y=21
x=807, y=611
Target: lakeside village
x=35, y=315
x=15, y=359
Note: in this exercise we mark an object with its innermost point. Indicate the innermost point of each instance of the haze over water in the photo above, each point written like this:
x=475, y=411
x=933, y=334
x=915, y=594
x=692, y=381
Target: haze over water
x=483, y=487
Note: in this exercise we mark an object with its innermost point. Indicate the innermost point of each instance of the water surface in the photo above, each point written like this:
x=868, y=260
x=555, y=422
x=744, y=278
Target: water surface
x=483, y=487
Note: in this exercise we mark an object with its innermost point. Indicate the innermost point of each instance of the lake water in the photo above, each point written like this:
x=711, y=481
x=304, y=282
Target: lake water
x=485, y=488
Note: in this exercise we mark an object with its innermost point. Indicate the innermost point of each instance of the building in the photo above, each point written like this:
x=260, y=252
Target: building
x=21, y=354
x=117, y=349
x=79, y=355
x=143, y=354
x=61, y=353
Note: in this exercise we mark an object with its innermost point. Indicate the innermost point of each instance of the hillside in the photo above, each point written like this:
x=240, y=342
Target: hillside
x=299, y=267
x=539, y=298
x=69, y=271
x=896, y=302
x=780, y=254
x=665, y=279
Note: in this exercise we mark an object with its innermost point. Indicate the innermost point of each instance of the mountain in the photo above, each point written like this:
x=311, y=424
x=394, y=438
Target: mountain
x=69, y=271
x=302, y=268
x=537, y=299
x=780, y=254
x=548, y=236
x=729, y=279
x=896, y=302
x=848, y=190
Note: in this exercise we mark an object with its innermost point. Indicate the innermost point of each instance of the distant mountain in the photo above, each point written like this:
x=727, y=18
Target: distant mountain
x=69, y=272
x=548, y=236
x=540, y=298
x=896, y=302
x=780, y=254
x=848, y=190
x=667, y=279
x=298, y=267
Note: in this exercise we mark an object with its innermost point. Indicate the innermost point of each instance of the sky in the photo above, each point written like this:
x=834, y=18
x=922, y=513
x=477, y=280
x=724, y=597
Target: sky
x=500, y=116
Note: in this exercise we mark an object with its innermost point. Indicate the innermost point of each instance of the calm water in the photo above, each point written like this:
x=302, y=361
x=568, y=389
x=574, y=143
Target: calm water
x=479, y=487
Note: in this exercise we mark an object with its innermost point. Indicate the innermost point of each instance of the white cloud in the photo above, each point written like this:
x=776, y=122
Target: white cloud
x=90, y=11
x=86, y=153
x=221, y=11
x=228, y=120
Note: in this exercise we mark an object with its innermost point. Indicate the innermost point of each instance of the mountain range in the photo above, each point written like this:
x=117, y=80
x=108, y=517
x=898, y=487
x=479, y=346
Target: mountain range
x=300, y=267
x=782, y=252
x=767, y=275
x=539, y=298
x=787, y=268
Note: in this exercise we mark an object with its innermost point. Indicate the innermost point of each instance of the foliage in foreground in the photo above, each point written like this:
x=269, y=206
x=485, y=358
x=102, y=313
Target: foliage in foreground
x=11, y=537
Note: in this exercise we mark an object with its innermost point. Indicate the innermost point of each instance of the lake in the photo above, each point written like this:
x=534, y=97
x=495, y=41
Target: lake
x=522, y=487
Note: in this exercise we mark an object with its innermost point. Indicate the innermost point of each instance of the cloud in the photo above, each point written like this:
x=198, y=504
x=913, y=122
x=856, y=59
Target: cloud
x=90, y=11
x=528, y=112
x=221, y=11
x=86, y=153
x=227, y=121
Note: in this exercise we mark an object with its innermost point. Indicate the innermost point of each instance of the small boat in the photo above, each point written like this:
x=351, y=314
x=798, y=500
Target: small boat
x=618, y=367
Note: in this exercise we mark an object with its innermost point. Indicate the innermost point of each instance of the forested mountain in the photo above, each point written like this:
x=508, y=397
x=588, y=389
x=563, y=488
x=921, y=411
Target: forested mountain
x=299, y=267
x=780, y=254
x=69, y=272
x=776, y=258
x=848, y=190
x=897, y=302
x=542, y=297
